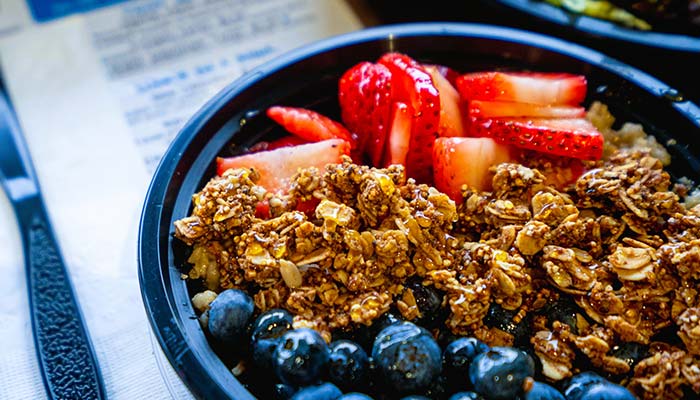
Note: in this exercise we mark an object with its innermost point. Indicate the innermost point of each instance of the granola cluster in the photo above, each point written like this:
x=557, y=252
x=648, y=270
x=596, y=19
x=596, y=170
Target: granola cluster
x=618, y=243
x=344, y=264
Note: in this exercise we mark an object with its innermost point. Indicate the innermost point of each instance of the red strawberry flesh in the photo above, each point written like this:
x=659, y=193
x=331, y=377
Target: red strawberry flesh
x=462, y=161
x=496, y=109
x=524, y=87
x=399, y=135
x=307, y=124
x=451, y=118
x=411, y=84
x=364, y=94
x=576, y=138
x=276, y=167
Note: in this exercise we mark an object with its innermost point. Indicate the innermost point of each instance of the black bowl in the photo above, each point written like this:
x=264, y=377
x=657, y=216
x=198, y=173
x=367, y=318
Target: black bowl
x=308, y=77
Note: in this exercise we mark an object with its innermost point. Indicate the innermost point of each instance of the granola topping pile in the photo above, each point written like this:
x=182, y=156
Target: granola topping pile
x=598, y=270
x=618, y=242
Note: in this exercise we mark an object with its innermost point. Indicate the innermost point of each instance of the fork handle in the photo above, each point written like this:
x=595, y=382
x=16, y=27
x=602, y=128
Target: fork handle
x=67, y=359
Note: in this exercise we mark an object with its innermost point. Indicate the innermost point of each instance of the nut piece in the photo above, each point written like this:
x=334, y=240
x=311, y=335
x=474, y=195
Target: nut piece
x=290, y=274
x=202, y=300
x=632, y=264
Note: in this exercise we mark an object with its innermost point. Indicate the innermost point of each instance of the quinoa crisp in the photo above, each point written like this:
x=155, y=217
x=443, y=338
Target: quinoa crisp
x=618, y=241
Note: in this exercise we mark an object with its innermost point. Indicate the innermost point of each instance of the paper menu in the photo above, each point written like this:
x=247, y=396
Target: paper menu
x=99, y=96
x=197, y=48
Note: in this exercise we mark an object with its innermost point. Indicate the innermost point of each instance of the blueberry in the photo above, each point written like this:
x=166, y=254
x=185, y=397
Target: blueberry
x=591, y=386
x=348, y=365
x=564, y=310
x=499, y=317
x=324, y=391
x=415, y=397
x=300, y=357
x=457, y=357
x=406, y=357
x=578, y=383
x=498, y=374
x=354, y=396
x=466, y=396
x=271, y=324
x=631, y=353
x=542, y=391
x=429, y=302
x=365, y=335
x=266, y=330
x=384, y=321
x=606, y=391
x=538, y=363
x=282, y=391
x=229, y=314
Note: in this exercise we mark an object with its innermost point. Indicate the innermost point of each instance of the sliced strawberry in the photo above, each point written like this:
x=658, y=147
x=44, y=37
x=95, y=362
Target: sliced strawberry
x=495, y=109
x=286, y=141
x=411, y=84
x=364, y=93
x=576, y=138
x=308, y=125
x=524, y=87
x=276, y=167
x=399, y=135
x=449, y=74
x=466, y=161
x=451, y=119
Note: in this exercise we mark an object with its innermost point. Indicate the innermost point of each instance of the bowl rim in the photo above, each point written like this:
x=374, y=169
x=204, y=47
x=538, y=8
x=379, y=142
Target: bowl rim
x=601, y=27
x=184, y=352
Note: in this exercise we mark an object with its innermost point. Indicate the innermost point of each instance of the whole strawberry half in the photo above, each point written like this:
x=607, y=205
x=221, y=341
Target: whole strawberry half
x=364, y=94
x=411, y=84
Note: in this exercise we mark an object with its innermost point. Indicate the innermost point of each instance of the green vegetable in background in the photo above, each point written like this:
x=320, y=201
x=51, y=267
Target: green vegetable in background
x=602, y=9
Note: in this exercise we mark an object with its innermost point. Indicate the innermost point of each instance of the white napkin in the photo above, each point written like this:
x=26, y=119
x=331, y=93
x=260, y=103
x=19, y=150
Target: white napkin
x=94, y=179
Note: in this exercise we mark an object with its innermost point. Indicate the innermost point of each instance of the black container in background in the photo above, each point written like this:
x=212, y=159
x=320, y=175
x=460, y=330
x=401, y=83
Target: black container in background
x=673, y=58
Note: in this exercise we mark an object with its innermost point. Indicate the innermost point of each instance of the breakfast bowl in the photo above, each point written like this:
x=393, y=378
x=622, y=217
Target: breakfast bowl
x=234, y=120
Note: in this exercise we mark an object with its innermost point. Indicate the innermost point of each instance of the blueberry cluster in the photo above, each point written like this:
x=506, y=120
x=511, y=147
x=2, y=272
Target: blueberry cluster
x=405, y=361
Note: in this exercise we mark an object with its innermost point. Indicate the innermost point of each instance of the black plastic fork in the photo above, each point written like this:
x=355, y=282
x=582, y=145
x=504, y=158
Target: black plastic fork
x=66, y=357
